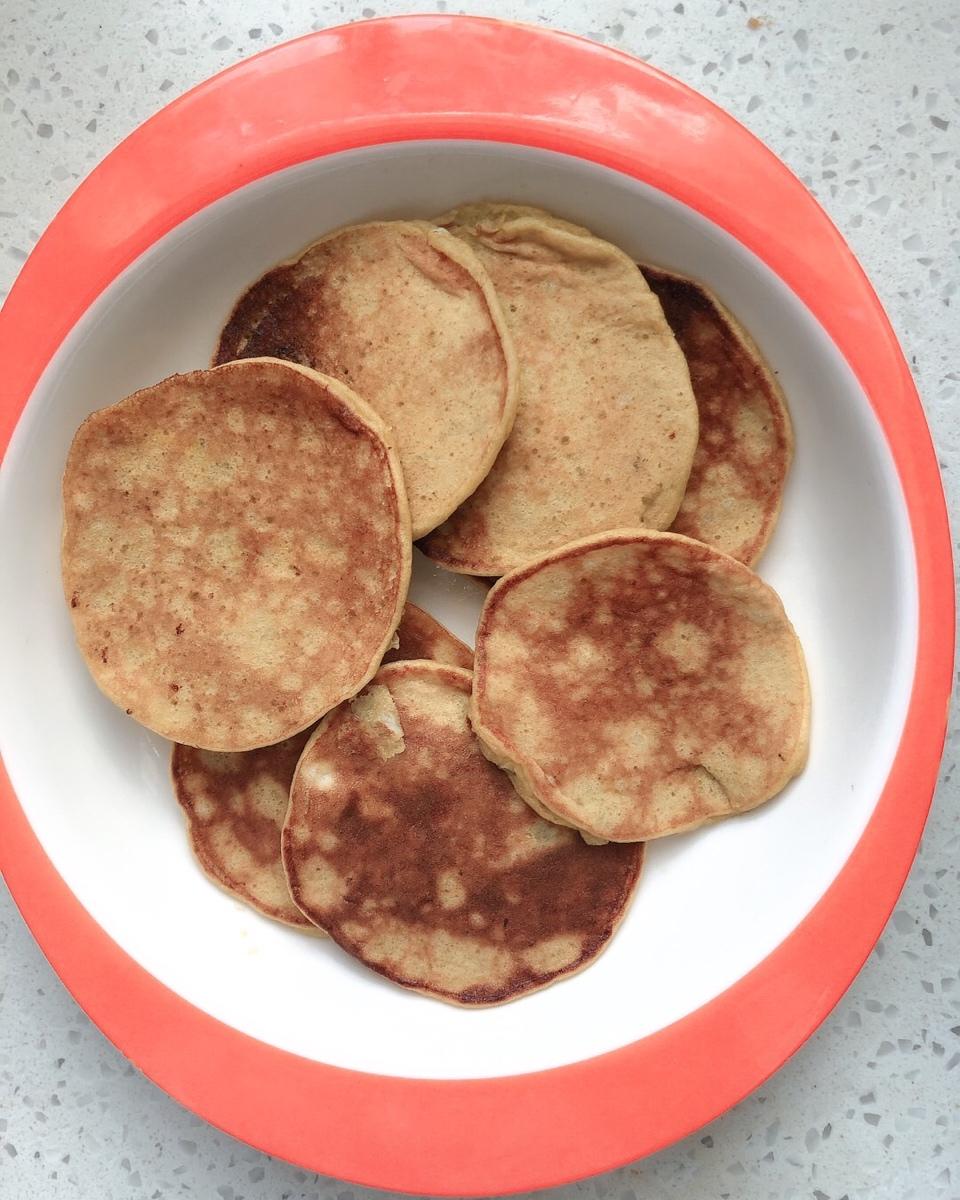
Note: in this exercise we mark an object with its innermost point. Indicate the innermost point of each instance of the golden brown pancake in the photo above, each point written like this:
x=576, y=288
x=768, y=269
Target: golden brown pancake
x=416, y=855
x=234, y=804
x=637, y=684
x=607, y=423
x=236, y=551
x=746, y=441
x=405, y=315
x=421, y=636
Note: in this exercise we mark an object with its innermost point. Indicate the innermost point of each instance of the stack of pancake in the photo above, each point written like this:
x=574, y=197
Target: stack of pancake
x=602, y=442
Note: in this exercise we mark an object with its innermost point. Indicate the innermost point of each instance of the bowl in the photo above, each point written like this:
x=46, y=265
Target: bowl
x=743, y=935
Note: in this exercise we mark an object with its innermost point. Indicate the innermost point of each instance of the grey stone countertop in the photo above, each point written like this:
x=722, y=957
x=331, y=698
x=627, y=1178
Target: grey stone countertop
x=863, y=102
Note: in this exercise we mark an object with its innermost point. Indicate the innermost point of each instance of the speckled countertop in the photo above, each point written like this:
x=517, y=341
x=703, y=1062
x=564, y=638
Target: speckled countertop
x=863, y=102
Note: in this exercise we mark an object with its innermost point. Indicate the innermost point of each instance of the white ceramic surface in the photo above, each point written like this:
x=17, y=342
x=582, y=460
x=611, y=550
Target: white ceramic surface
x=711, y=904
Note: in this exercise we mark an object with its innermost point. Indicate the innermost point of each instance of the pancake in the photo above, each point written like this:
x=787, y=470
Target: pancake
x=236, y=551
x=234, y=804
x=606, y=426
x=421, y=636
x=746, y=441
x=407, y=317
x=638, y=684
x=416, y=855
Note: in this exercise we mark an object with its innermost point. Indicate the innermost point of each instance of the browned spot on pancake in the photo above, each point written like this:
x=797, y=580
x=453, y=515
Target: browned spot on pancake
x=184, y=506
x=736, y=484
x=268, y=321
x=421, y=636
x=235, y=804
x=429, y=868
x=405, y=315
x=640, y=684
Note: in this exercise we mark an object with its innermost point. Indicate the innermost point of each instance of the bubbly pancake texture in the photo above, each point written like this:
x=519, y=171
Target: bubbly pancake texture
x=638, y=684
x=236, y=551
x=735, y=488
x=405, y=314
x=606, y=425
x=235, y=804
x=421, y=636
x=416, y=855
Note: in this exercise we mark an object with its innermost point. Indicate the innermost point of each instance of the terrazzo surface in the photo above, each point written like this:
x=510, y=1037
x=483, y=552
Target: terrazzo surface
x=863, y=102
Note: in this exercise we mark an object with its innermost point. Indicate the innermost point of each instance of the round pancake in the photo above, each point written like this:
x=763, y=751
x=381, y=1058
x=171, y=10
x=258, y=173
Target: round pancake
x=606, y=426
x=235, y=803
x=415, y=853
x=421, y=636
x=746, y=441
x=405, y=315
x=236, y=551
x=638, y=684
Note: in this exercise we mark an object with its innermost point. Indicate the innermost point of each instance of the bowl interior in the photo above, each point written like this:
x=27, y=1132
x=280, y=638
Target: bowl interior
x=711, y=904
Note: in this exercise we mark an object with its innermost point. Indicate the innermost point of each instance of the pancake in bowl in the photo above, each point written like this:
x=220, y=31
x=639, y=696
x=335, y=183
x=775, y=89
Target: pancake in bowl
x=736, y=484
x=235, y=804
x=406, y=315
x=236, y=551
x=421, y=636
x=637, y=684
x=606, y=424
x=417, y=856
